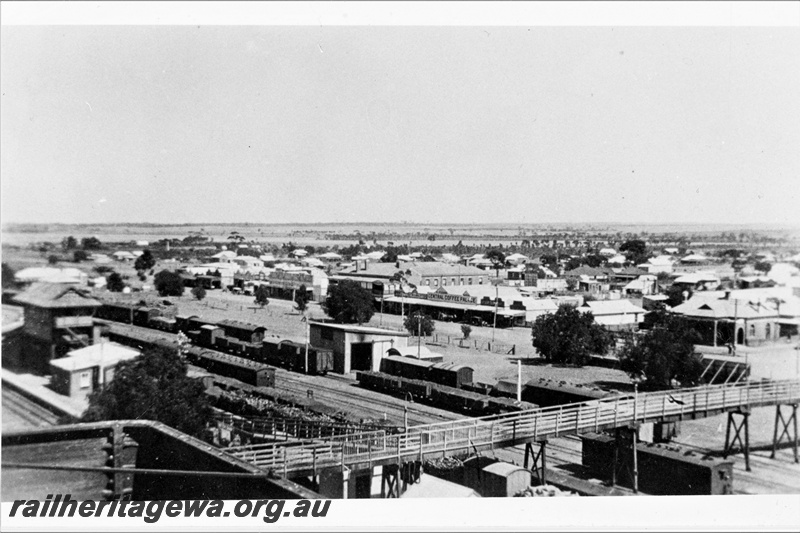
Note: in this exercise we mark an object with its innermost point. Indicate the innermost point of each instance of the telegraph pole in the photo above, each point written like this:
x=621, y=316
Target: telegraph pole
x=419, y=335
x=494, y=325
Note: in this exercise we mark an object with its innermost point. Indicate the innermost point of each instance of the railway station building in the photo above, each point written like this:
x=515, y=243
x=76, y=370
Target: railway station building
x=356, y=347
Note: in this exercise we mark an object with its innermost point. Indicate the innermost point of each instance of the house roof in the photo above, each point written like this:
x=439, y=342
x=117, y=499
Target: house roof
x=47, y=273
x=696, y=277
x=704, y=308
x=55, y=295
x=694, y=258
x=585, y=270
x=661, y=260
x=611, y=307
x=104, y=353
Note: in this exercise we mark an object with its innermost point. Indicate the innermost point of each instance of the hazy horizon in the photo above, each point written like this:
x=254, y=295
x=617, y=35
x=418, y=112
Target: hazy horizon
x=431, y=125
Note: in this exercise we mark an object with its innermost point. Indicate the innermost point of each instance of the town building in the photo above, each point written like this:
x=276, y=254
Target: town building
x=615, y=314
x=425, y=274
x=750, y=317
x=285, y=282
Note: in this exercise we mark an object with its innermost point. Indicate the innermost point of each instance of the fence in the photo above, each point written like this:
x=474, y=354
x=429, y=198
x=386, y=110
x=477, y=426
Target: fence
x=472, y=344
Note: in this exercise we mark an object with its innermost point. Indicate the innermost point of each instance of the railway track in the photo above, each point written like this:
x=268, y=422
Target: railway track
x=342, y=393
x=336, y=391
x=26, y=413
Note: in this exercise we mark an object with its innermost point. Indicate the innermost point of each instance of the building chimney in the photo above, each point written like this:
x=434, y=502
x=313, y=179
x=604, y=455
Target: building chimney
x=727, y=295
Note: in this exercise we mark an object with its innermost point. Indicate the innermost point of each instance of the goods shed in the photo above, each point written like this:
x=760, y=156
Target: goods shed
x=355, y=347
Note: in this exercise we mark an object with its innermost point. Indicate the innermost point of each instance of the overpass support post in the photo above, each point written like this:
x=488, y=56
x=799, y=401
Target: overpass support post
x=783, y=425
x=390, y=481
x=538, y=461
x=628, y=465
x=739, y=428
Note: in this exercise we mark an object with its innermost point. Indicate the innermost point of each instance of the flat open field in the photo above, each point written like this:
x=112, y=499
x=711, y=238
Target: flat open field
x=406, y=232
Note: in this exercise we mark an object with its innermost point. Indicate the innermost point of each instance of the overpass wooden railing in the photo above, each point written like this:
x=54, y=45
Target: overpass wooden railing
x=378, y=447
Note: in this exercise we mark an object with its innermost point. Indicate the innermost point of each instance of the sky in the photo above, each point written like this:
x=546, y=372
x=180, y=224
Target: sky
x=460, y=124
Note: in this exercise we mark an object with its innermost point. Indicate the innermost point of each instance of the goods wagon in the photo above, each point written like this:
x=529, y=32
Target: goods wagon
x=242, y=331
x=450, y=374
x=547, y=392
x=442, y=396
x=663, y=469
x=231, y=366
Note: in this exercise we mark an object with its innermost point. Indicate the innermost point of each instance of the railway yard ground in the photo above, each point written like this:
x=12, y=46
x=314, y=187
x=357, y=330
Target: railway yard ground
x=767, y=476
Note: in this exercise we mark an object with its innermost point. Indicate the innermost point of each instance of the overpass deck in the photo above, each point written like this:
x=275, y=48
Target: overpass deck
x=475, y=434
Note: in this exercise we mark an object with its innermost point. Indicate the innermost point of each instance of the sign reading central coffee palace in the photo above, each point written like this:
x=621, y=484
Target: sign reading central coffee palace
x=442, y=297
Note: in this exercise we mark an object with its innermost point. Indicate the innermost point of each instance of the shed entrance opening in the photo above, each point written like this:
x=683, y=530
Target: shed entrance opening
x=361, y=356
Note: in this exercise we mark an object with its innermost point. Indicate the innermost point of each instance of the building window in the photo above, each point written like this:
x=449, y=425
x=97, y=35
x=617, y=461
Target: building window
x=85, y=380
x=436, y=283
x=444, y=282
x=427, y=282
x=452, y=281
x=461, y=281
x=752, y=330
x=469, y=281
x=480, y=281
x=768, y=330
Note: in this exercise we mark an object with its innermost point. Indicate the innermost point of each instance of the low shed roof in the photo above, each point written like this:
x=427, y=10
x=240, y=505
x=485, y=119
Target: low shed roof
x=104, y=353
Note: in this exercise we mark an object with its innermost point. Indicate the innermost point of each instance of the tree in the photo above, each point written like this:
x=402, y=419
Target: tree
x=466, y=330
x=199, y=292
x=114, y=282
x=262, y=295
x=236, y=238
x=497, y=258
x=69, y=243
x=153, y=386
x=664, y=357
x=763, y=266
x=349, y=303
x=419, y=324
x=146, y=261
x=79, y=255
x=676, y=295
x=301, y=299
x=569, y=336
x=635, y=250
x=52, y=259
x=549, y=260
x=91, y=243
x=168, y=283
x=634, y=246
